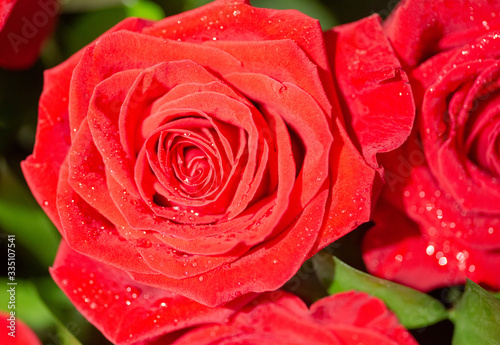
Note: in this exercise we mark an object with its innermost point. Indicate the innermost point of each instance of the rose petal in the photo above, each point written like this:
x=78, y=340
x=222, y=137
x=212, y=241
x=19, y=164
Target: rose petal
x=345, y=318
x=123, y=310
x=429, y=241
x=240, y=277
x=446, y=160
x=41, y=169
x=87, y=177
x=375, y=90
x=368, y=317
x=418, y=29
x=24, y=26
x=87, y=231
x=5, y=11
x=242, y=22
x=350, y=204
x=305, y=119
x=395, y=250
x=282, y=60
x=136, y=51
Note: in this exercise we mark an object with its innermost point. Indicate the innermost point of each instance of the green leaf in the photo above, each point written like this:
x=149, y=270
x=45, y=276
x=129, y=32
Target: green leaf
x=191, y=4
x=70, y=324
x=476, y=317
x=413, y=308
x=69, y=6
x=145, y=9
x=64, y=335
x=85, y=28
x=324, y=266
x=26, y=303
x=31, y=309
x=312, y=8
x=20, y=215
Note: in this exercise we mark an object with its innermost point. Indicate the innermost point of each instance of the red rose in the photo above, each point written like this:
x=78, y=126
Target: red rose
x=24, y=25
x=345, y=318
x=14, y=331
x=439, y=218
x=195, y=153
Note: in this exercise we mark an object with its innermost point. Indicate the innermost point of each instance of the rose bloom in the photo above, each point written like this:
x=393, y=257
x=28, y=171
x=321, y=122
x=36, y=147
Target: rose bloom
x=201, y=158
x=348, y=318
x=438, y=221
x=24, y=25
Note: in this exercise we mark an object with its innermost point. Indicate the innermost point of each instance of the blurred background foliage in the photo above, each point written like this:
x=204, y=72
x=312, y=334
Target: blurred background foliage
x=39, y=301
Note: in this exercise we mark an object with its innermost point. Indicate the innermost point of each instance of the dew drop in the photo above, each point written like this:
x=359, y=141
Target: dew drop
x=439, y=214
